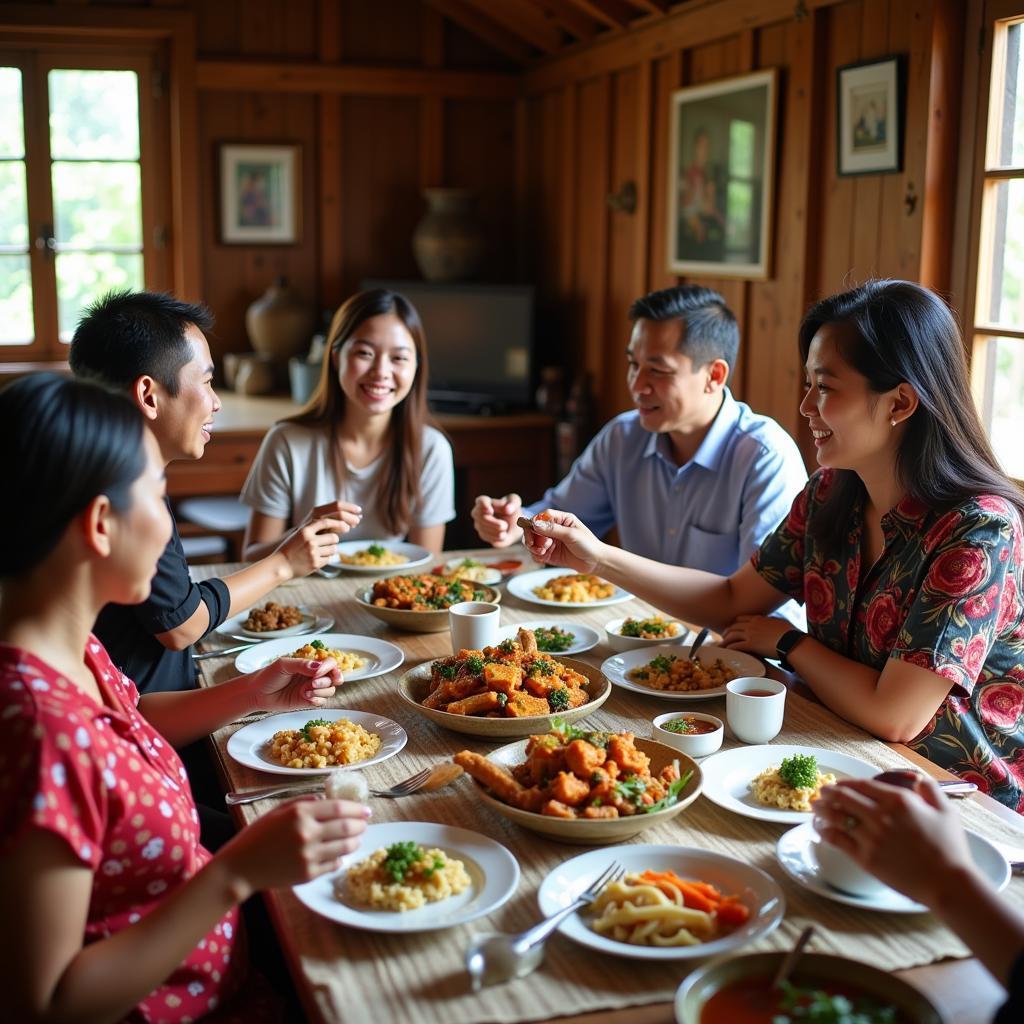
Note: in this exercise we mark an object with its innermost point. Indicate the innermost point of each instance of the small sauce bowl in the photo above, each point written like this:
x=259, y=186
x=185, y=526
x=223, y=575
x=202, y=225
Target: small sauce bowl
x=695, y=744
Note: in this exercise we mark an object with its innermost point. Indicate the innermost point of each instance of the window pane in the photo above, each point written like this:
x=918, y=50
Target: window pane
x=94, y=115
x=1004, y=210
x=1007, y=355
x=741, y=149
x=15, y=301
x=83, y=277
x=739, y=217
x=13, y=204
x=97, y=204
x=12, y=129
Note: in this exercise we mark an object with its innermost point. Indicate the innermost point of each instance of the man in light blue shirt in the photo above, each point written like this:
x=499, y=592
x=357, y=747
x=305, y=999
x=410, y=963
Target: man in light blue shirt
x=690, y=476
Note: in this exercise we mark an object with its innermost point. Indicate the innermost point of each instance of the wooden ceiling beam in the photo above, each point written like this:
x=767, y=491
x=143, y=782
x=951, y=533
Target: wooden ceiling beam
x=650, y=6
x=523, y=19
x=354, y=80
x=480, y=25
x=616, y=14
x=573, y=20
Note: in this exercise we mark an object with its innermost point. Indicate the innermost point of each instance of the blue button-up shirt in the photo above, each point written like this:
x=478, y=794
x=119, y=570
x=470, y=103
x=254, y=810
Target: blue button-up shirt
x=711, y=513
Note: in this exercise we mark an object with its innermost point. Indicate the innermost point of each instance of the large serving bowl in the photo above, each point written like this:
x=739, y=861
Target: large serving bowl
x=595, y=831
x=814, y=970
x=433, y=621
x=415, y=685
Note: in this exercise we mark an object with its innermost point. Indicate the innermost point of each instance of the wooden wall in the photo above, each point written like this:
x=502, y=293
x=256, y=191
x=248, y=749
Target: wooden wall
x=600, y=117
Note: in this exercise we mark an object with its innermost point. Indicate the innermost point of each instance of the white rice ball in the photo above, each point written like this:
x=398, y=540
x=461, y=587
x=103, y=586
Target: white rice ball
x=347, y=784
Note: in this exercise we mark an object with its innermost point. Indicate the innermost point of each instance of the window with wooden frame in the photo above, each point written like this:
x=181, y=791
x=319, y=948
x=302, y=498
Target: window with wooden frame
x=993, y=289
x=83, y=202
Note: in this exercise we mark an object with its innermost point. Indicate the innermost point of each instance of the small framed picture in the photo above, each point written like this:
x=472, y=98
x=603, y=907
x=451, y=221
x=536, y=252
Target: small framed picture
x=869, y=117
x=720, y=177
x=259, y=195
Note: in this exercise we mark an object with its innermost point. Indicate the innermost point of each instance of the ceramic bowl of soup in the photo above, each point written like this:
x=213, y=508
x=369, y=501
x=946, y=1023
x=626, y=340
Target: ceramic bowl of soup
x=690, y=732
x=739, y=990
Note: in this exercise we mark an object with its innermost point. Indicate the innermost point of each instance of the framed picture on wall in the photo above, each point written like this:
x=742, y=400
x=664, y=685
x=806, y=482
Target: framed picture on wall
x=869, y=117
x=720, y=179
x=259, y=194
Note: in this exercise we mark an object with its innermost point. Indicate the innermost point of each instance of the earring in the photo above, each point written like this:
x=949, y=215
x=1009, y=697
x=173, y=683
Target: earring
x=892, y=422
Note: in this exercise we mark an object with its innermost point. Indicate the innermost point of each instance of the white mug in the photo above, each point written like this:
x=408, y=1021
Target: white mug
x=754, y=707
x=474, y=625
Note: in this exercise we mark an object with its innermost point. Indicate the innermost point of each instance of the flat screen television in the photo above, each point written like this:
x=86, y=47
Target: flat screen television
x=480, y=340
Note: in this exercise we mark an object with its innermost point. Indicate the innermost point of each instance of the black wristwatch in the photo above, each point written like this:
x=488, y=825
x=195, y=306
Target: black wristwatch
x=786, y=643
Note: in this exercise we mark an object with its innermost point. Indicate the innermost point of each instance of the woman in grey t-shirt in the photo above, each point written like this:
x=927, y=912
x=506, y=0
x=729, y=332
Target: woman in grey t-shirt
x=363, y=445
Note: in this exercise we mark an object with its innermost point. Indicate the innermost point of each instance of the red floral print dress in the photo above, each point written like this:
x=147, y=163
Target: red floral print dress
x=102, y=779
x=945, y=594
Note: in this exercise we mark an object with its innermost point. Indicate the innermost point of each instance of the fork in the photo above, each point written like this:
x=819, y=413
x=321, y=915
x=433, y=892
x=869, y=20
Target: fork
x=497, y=958
x=248, y=796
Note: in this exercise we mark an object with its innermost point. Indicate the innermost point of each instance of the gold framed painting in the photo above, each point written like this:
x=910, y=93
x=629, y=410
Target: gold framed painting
x=260, y=194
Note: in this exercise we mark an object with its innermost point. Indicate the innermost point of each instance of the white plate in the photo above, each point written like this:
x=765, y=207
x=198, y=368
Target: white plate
x=312, y=622
x=617, y=667
x=417, y=556
x=251, y=744
x=380, y=655
x=493, y=870
x=586, y=636
x=485, y=573
x=522, y=587
x=795, y=856
x=759, y=891
x=727, y=777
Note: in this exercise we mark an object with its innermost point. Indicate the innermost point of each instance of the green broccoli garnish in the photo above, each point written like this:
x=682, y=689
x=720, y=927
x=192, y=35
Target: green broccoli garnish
x=318, y=644
x=508, y=646
x=558, y=700
x=631, y=789
x=376, y=551
x=799, y=771
x=445, y=671
x=541, y=666
x=305, y=730
x=474, y=665
x=662, y=664
x=553, y=640
x=400, y=859
x=502, y=699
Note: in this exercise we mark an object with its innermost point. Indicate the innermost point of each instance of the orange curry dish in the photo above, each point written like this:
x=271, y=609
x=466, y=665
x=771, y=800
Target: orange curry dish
x=572, y=773
x=511, y=680
x=424, y=593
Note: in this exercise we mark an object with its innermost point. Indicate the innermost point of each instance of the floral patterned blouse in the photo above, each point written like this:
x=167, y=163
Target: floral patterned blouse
x=945, y=594
x=102, y=779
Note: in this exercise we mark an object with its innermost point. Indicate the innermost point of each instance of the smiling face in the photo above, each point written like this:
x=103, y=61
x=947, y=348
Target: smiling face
x=669, y=393
x=376, y=366
x=140, y=532
x=185, y=420
x=849, y=421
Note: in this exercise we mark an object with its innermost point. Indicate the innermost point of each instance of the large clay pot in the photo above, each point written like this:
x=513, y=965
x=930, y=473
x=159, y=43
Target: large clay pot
x=448, y=243
x=279, y=323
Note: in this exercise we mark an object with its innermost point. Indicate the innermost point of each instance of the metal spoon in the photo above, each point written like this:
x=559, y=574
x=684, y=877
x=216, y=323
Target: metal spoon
x=701, y=637
x=492, y=959
x=789, y=961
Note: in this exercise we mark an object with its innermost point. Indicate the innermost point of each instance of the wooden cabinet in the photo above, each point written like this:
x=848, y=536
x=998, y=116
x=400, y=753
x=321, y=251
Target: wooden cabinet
x=493, y=455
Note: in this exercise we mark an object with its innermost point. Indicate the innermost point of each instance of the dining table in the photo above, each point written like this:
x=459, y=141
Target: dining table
x=352, y=975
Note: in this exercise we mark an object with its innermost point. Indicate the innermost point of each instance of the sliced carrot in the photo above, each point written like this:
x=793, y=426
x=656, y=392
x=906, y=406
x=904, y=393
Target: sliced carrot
x=733, y=912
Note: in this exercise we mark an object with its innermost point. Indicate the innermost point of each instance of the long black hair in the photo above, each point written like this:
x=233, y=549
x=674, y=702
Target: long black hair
x=902, y=332
x=65, y=442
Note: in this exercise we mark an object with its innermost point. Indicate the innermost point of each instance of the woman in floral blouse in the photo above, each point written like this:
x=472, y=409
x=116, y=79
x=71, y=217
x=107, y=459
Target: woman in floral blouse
x=906, y=547
x=112, y=909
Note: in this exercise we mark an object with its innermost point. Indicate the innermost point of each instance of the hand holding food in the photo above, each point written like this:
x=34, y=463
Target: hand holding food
x=495, y=519
x=911, y=840
x=559, y=538
x=294, y=683
x=293, y=843
x=314, y=543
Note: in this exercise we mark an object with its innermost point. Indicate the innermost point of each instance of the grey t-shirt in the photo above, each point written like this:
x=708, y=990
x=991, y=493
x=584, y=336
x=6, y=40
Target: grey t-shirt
x=294, y=472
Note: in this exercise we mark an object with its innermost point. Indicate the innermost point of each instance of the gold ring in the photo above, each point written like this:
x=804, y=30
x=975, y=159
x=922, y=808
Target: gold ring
x=850, y=823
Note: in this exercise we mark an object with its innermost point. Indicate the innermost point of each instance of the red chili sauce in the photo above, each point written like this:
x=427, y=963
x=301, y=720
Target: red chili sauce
x=754, y=1001
x=690, y=726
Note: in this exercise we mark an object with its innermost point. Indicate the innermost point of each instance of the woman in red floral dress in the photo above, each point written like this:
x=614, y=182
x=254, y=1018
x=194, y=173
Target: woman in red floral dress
x=111, y=908
x=906, y=547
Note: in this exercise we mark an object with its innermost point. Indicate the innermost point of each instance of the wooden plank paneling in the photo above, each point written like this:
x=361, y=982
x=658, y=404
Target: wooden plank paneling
x=330, y=178
x=667, y=78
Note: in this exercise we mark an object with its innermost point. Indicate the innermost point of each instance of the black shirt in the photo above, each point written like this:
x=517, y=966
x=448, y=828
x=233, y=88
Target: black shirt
x=1012, y=1011
x=128, y=632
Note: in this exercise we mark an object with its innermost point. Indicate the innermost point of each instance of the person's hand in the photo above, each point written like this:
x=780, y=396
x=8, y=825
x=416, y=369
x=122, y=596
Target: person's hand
x=559, y=538
x=289, y=683
x=293, y=843
x=910, y=839
x=495, y=519
x=315, y=542
x=757, y=634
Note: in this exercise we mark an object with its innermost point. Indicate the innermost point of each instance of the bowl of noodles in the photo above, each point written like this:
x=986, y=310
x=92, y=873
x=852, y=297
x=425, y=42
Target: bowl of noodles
x=538, y=783
x=420, y=603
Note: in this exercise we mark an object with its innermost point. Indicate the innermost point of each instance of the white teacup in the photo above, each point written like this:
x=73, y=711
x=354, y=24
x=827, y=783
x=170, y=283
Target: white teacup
x=754, y=708
x=841, y=871
x=474, y=625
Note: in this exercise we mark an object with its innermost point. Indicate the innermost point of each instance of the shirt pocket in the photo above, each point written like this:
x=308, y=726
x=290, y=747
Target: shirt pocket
x=712, y=552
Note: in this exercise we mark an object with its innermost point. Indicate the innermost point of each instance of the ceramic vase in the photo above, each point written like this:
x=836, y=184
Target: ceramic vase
x=448, y=243
x=280, y=323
